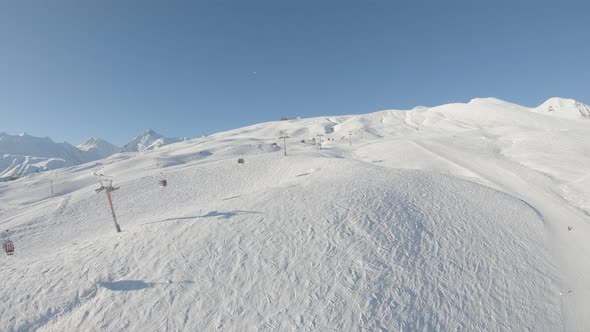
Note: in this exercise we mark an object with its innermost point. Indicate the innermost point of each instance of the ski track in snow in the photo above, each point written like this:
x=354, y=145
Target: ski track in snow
x=428, y=223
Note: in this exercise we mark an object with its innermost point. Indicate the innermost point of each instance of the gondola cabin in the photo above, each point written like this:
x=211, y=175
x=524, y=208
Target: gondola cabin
x=8, y=247
x=163, y=183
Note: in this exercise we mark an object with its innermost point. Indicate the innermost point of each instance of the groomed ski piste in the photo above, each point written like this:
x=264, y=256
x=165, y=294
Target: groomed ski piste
x=470, y=217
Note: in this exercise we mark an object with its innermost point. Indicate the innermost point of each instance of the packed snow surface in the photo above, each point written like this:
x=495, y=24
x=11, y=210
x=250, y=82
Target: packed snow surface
x=468, y=216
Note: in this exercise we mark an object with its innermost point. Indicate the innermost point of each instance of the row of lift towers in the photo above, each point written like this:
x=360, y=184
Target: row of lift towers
x=319, y=140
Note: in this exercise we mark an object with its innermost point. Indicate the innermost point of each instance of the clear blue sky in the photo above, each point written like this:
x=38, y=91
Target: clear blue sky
x=75, y=69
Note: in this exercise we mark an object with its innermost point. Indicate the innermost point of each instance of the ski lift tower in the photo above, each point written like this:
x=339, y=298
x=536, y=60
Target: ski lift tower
x=162, y=180
x=106, y=185
x=284, y=138
x=51, y=178
x=320, y=140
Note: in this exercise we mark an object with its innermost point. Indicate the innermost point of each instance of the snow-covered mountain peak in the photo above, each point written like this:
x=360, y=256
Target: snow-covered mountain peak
x=24, y=154
x=491, y=102
x=150, y=132
x=556, y=103
x=558, y=107
x=29, y=145
x=480, y=100
x=420, y=108
x=564, y=108
x=148, y=140
x=96, y=142
x=97, y=148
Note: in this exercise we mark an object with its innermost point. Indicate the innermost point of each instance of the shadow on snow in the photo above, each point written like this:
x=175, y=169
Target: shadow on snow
x=219, y=215
x=133, y=285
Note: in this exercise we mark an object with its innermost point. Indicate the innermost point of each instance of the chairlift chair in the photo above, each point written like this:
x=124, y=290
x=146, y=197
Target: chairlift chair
x=8, y=247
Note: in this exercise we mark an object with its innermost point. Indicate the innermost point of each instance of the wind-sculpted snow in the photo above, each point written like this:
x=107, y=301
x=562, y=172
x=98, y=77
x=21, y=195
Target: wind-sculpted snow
x=328, y=250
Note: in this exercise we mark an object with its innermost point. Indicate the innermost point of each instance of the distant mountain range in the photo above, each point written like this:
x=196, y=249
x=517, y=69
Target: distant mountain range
x=24, y=154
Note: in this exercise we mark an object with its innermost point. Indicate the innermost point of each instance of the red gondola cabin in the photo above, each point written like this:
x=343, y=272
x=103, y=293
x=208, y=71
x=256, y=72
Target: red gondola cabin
x=8, y=247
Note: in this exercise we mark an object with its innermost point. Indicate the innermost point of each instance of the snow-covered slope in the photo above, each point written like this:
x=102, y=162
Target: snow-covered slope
x=458, y=217
x=148, y=140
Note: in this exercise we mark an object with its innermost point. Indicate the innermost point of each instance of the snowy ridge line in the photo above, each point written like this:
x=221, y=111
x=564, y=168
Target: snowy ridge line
x=490, y=180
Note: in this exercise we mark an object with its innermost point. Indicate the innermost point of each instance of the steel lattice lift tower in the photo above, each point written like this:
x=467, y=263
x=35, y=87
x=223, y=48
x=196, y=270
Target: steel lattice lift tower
x=107, y=186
